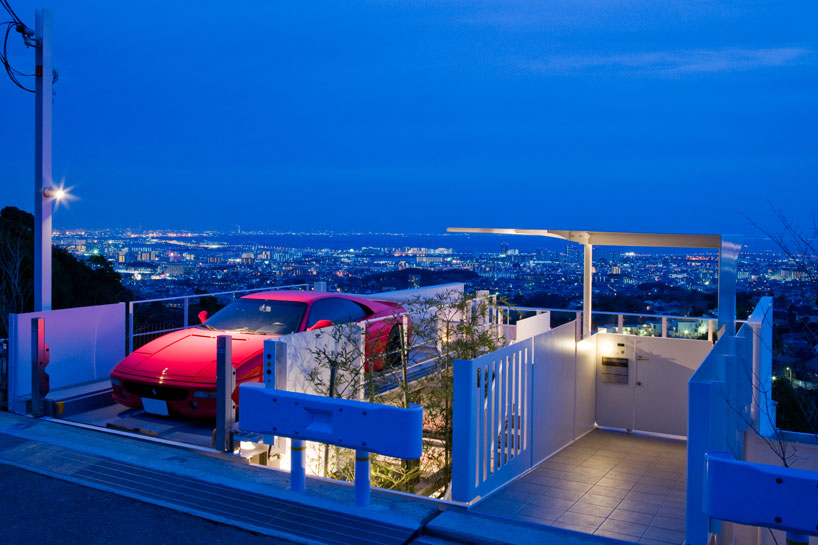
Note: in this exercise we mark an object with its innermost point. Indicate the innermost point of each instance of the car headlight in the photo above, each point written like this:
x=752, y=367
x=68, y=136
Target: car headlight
x=200, y=394
x=115, y=382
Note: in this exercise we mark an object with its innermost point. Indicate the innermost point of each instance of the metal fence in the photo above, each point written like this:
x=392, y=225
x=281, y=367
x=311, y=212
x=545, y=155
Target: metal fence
x=152, y=318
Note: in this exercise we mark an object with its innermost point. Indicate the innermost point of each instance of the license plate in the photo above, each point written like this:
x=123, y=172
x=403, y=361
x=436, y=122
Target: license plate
x=155, y=406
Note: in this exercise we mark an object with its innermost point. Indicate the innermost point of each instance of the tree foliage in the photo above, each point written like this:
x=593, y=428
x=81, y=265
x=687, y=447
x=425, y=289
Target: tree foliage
x=448, y=326
x=75, y=282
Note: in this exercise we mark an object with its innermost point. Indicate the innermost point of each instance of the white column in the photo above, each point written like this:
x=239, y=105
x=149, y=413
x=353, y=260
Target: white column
x=42, y=161
x=728, y=273
x=587, y=290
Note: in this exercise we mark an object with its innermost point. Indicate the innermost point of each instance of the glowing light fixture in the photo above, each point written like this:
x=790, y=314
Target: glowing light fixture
x=59, y=193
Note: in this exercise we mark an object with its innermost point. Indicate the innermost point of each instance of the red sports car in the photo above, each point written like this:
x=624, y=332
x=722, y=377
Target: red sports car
x=176, y=373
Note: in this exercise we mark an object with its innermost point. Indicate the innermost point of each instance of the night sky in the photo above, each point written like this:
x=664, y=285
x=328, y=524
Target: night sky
x=413, y=116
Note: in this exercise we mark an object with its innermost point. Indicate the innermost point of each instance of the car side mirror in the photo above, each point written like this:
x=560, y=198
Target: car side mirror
x=202, y=316
x=320, y=324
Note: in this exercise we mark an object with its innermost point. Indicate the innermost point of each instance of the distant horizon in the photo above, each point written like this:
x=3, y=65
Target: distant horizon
x=474, y=242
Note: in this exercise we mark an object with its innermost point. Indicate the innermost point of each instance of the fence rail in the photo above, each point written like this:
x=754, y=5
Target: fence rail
x=142, y=333
x=630, y=323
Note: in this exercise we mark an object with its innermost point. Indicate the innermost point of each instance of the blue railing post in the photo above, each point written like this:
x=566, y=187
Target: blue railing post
x=362, y=484
x=464, y=431
x=298, y=476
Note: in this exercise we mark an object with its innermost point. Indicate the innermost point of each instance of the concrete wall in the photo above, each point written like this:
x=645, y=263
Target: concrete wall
x=85, y=344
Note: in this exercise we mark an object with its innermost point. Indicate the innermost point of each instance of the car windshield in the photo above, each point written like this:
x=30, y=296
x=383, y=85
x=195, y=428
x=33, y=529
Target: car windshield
x=260, y=316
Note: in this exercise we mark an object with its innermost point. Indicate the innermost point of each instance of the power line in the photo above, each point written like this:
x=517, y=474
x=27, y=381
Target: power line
x=11, y=13
x=27, y=34
x=12, y=72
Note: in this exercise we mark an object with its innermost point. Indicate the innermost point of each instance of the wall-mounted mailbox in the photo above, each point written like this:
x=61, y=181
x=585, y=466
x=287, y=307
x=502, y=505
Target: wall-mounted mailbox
x=614, y=370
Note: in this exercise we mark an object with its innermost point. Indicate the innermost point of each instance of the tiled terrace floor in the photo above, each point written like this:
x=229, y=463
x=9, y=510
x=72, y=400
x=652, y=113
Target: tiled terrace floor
x=630, y=487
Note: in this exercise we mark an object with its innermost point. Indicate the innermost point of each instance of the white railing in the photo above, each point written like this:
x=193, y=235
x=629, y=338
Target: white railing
x=654, y=325
x=427, y=353
x=183, y=302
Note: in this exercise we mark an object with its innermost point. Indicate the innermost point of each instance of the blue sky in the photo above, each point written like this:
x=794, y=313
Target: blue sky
x=414, y=116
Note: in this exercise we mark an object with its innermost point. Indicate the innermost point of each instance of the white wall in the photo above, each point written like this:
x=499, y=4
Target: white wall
x=339, y=341
x=585, y=407
x=532, y=326
x=554, y=390
x=85, y=344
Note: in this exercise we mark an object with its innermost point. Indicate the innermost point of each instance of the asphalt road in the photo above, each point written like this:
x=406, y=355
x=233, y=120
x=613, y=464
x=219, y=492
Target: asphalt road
x=43, y=510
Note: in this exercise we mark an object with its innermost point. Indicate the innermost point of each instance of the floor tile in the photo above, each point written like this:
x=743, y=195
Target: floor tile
x=534, y=519
x=670, y=523
x=615, y=483
x=623, y=527
x=670, y=511
x=561, y=493
x=603, y=501
x=622, y=486
x=541, y=511
x=573, y=527
x=541, y=479
x=581, y=519
x=639, y=507
x=548, y=501
x=649, y=541
x=658, y=499
x=614, y=535
x=574, y=486
x=663, y=534
x=549, y=472
x=590, y=509
x=581, y=476
x=631, y=516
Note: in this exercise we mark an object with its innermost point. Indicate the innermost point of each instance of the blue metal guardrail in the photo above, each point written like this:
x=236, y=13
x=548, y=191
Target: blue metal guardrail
x=784, y=498
x=366, y=427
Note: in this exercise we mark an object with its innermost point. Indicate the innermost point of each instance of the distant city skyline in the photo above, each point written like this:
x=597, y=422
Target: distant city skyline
x=412, y=117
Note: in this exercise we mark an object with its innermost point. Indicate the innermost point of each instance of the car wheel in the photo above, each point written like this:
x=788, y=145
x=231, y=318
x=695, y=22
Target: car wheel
x=392, y=358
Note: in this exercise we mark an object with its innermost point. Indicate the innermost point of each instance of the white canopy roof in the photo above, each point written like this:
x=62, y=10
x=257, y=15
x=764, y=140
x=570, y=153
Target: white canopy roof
x=728, y=248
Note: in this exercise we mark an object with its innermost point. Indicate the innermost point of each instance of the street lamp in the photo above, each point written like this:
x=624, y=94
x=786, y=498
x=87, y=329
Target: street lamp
x=57, y=193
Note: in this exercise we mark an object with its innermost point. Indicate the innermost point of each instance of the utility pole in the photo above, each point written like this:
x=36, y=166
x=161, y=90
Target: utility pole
x=43, y=189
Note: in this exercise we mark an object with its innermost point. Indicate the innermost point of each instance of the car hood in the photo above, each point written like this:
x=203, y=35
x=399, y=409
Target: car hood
x=188, y=353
